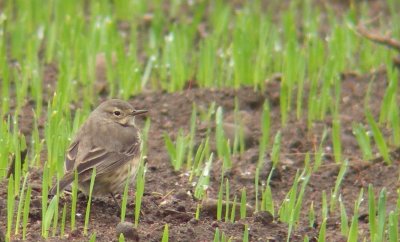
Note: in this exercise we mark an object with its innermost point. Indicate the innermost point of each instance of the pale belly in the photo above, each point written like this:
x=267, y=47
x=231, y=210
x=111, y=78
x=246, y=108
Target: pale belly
x=112, y=182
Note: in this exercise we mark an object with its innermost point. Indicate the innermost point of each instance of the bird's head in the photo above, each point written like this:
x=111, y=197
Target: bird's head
x=119, y=111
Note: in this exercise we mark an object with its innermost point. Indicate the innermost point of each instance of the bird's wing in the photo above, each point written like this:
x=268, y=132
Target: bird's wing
x=99, y=157
x=71, y=155
x=105, y=160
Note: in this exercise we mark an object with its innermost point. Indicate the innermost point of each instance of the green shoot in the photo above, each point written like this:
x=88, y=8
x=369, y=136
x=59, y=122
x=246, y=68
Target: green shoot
x=322, y=231
x=339, y=178
x=89, y=202
x=275, y=153
x=311, y=215
x=192, y=136
x=379, y=139
x=246, y=233
x=320, y=153
x=227, y=194
x=49, y=216
x=93, y=237
x=74, y=199
x=256, y=180
x=176, y=152
x=25, y=215
x=219, y=202
x=363, y=140
x=140, y=183
x=353, y=231
x=265, y=128
x=10, y=205
x=124, y=199
x=165, y=235
x=233, y=210
x=63, y=218
x=337, y=147
x=344, y=221
x=216, y=235
x=243, y=204
x=204, y=179
x=20, y=204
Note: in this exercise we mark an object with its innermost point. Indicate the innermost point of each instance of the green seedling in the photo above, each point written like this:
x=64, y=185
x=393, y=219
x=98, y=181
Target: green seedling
x=353, y=231
x=25, y=215
x=140, y=184
x=246, y=233
x=89, y=202
x=243, y=204
x=265, y=128
x=339, y=179
x=336, y=142
x=204, y=179
x=275, y=153
x=178, y=150
x=379, y=139
x=74, y=200
x=363, y=140
x=10, y=205
x=319, y=155
x=344, y=221
x=311, y=215
x=165, y=235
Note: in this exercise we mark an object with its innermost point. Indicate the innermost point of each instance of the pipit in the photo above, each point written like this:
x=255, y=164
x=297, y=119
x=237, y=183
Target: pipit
x=108, y=141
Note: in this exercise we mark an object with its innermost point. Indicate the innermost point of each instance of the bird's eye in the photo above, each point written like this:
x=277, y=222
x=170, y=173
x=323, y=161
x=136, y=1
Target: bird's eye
x=117, y=113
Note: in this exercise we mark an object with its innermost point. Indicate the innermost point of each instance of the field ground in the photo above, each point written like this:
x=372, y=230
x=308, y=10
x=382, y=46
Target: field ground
x=169, y=195
x=166, y=198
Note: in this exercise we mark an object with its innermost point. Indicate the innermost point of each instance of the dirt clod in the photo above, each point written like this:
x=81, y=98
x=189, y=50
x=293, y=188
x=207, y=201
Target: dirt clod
x=231, y=130
x=182, y=195
x=128, y=230
x=263, y=217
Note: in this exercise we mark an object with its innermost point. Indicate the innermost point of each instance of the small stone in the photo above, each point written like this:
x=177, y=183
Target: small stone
x=182, y=195
x=263, y=217
x=246, y=118
x=230, y=129
x=167, y=124
x=193, y=221
x=214, y=224
x=128, y=230
x=181, y=209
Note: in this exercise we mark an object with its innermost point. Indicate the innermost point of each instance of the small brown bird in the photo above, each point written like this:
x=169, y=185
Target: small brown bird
x=108, y=141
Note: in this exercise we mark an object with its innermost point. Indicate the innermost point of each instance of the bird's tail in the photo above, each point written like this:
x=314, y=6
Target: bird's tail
x=64, y=182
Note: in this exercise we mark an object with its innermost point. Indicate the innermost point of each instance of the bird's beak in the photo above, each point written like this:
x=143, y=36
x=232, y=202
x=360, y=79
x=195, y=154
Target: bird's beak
x=138, y=112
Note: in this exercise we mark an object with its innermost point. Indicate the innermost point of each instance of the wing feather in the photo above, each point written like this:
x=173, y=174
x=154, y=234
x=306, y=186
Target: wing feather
x=71, y=155
x=99, y=157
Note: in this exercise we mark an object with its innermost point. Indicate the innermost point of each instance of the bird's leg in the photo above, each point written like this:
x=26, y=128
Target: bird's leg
x=116, y=202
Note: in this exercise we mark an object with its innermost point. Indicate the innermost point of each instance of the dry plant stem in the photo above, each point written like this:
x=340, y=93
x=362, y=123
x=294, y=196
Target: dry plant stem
x=377, y=38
